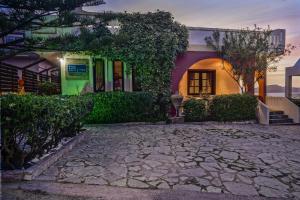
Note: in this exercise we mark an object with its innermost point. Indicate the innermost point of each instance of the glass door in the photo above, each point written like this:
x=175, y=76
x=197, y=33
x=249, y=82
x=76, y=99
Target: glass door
x=118, y=76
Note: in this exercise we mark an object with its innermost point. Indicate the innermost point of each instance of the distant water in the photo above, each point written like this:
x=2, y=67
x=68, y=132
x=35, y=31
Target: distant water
x=295, y=95
x=279, y=94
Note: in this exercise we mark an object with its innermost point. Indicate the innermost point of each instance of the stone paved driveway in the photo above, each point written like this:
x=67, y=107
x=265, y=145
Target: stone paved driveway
x=238, y=159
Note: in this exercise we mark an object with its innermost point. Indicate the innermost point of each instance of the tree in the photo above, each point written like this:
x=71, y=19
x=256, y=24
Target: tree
x=30, y=15
x=249, y=52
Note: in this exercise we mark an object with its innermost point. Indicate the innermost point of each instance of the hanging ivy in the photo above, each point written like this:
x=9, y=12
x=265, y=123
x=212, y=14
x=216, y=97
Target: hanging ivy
x=148, y=42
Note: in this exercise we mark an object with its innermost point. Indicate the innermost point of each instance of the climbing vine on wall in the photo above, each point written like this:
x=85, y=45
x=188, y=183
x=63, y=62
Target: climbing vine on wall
x=147, y=42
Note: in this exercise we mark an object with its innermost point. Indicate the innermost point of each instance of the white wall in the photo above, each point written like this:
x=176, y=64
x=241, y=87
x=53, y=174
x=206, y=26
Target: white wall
x=284, y=104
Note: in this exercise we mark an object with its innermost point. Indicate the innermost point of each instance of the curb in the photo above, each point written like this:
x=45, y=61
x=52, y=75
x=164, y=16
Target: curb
x=35, y=170
x=126, y=124
x=86, y=191
x=165, y=123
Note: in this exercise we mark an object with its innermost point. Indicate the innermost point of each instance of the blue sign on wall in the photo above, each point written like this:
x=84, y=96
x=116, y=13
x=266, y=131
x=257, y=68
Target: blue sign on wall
x=77, y=68
x=77, y=71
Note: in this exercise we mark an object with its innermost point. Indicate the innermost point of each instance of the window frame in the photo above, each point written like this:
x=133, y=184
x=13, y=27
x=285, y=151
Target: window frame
x=200, y=71
x=122, y=64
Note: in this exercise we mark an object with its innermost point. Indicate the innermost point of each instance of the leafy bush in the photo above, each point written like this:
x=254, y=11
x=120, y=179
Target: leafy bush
x=32, y=125
x=234, y=107
x=47, y=88
x=194, y=110
x=116, y=107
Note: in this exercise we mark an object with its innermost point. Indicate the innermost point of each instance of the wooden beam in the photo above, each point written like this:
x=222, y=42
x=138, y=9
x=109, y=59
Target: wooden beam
x=262, y=88
x=34, y=63
x=9, y=65
x=47, y=69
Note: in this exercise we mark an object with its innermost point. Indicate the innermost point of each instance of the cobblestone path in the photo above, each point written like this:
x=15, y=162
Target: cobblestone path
x=248, y=160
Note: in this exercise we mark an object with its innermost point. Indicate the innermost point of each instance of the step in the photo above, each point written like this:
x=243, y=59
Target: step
x=279, y=112
x=277, y=121
x=288, y=124
x=279, y=116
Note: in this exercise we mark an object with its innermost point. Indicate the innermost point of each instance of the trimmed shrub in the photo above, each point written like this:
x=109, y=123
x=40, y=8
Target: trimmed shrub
x=236, y=107
x=47, y=88
x=194, y=110
x=117, y=107
x=32, y=125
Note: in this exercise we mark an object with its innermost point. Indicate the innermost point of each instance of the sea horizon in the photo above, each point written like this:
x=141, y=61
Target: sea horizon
x=282, y=94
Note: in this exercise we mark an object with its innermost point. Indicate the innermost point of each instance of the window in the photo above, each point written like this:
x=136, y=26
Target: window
x=99, y=76
x=118, y=76
x=201, y=82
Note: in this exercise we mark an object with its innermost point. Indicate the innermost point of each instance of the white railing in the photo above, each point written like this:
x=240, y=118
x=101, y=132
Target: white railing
x=197, y=37
x=263, y=113
x=285, y=105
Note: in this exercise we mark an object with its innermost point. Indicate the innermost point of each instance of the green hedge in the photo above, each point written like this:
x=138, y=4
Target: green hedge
x=117, y=107
x=32, y=125
x=47, y=88
x=194, y=110
x=234, y=107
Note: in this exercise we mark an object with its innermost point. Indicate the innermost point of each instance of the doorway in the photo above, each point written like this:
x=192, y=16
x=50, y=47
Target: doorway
x=99, y=76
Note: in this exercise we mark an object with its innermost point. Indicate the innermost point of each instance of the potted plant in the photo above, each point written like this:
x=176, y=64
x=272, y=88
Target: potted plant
x=177, y=101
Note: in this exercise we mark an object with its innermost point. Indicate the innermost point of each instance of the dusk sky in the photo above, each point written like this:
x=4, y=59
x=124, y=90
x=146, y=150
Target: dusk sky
x=284, y=14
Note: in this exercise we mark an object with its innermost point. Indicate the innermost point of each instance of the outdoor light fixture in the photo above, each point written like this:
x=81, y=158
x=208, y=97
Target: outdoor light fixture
x=61, y=60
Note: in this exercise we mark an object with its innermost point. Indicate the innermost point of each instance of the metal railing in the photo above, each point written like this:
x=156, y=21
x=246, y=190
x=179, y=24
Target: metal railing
x=9, y=77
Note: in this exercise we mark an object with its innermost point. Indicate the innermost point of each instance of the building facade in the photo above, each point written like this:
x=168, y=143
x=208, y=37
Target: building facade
x=197, y=71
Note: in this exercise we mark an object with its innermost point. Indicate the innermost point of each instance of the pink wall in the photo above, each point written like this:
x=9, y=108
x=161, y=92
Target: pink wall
x=184, y=61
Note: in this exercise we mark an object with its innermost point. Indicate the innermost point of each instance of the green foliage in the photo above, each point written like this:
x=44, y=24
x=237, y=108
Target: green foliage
x=234, y=107
x=194, y=110
x=16, y=15
x=47, y=88
x=151, y=42
x=115, y=107
x=32, y=125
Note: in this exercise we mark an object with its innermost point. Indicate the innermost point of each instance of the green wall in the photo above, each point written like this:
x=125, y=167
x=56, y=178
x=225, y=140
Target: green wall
x=71, y=87
x=74, y=87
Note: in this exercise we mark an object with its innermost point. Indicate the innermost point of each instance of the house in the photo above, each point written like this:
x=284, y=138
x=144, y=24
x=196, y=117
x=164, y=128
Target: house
x=197, y=71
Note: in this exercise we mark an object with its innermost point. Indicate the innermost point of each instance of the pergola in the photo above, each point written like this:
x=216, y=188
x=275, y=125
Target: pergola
x=39, y=63
x=32, y=68
x=289, y=73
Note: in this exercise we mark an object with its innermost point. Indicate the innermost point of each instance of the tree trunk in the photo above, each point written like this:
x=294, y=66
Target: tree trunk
x=249, y=83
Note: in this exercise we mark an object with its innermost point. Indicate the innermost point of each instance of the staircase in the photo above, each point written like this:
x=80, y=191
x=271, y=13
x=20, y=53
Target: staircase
x=278, y=117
